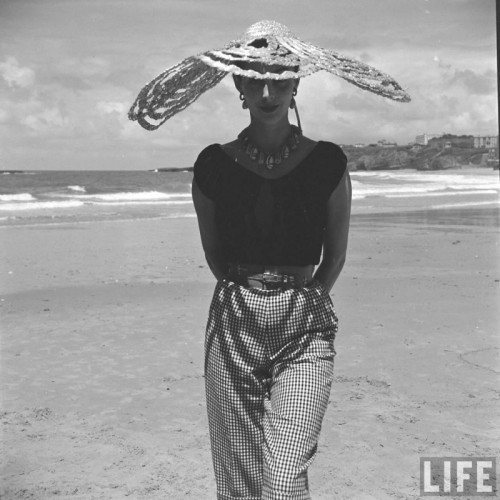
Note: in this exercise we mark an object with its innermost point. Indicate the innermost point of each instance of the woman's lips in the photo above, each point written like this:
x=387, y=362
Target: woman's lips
x=268, y=109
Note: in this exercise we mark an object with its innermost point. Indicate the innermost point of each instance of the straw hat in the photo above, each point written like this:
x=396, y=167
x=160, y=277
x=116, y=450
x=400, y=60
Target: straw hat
x=267, y=42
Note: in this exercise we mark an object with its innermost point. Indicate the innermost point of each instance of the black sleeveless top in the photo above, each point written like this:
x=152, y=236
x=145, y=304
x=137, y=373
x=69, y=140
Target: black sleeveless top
x=271, y=221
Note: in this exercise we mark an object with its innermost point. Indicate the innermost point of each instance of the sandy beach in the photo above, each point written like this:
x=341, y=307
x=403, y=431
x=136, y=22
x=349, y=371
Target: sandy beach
x=102, y=329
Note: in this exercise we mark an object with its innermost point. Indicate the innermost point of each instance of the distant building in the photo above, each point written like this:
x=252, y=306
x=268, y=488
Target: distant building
x=449, y=141
x=359, y=145
x=486, y=142
x=386, y=144
x=424, y=139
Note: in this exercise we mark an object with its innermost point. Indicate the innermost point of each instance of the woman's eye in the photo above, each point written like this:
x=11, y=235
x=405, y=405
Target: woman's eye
x=256, y=83
x=282, y=84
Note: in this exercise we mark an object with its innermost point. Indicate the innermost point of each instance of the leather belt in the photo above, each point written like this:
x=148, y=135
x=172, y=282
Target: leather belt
x=267, y=277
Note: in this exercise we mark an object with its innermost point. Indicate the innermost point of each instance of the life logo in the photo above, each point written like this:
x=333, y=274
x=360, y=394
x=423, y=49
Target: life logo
x=458, y=476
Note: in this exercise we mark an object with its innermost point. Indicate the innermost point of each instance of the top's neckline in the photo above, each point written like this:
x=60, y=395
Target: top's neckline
x=306, y=158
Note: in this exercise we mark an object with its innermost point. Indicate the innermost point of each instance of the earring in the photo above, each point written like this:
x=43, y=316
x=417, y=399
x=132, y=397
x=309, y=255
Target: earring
x=293, y=105
x=244, y=104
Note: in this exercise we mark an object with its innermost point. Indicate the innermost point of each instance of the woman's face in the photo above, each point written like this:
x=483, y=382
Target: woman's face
x=267, y=100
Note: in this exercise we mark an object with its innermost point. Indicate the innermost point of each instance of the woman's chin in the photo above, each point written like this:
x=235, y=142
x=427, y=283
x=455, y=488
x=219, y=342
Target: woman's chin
x=270, y=116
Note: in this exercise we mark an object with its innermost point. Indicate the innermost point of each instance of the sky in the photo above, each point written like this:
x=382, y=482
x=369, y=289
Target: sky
x=70, y=70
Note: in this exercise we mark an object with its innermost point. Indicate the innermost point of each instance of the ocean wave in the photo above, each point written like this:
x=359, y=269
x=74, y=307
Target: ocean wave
x=40, y=205
x=16, y=197
x=420, y=194
x=422, y=189
x=387, y=191
x=443, y=193
x=16, y=172
x=73, y=203
x=132, y=196
x=62, y=219
x=180, y=215
x=80, y=189
x=468, y=204
x=143, y=202
x=445, y=179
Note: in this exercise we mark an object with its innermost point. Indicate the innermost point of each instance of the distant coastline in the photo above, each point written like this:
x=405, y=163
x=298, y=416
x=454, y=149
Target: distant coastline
x=172, y=169
x=415, y=157
x=442, y=152
x=374, y=157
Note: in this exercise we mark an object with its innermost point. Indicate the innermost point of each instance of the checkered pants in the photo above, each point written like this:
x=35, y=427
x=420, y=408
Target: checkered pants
x=268, y=371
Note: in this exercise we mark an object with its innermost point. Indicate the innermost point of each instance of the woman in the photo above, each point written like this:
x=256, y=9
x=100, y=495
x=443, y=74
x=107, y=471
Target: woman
x=271, y=205
x=269, y=348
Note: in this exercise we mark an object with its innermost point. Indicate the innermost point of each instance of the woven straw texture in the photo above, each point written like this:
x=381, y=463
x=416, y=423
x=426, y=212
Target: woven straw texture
x=267, y=42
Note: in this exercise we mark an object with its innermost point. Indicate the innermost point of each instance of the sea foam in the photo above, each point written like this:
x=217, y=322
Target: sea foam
x=40, y=205
x=132, y=196
x=16, y=197
x=80, y=189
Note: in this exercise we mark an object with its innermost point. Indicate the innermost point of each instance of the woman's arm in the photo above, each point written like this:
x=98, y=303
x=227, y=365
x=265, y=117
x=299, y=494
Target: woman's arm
x=336, y=233
x=205, y=210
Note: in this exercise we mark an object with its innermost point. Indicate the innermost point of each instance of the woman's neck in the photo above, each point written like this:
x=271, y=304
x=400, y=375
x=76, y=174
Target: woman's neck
x=269, y=137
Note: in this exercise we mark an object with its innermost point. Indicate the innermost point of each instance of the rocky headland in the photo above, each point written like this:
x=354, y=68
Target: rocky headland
x=420, y=158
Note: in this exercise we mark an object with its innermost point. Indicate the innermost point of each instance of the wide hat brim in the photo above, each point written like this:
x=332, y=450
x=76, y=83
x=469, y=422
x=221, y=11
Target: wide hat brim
x=266, y=42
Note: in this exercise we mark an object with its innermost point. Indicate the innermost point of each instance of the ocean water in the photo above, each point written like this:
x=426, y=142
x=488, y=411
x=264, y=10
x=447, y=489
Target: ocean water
x=41, y=197
x=51, y=197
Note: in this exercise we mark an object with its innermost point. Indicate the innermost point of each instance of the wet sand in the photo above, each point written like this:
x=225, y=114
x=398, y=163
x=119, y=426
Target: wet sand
x=102, y=329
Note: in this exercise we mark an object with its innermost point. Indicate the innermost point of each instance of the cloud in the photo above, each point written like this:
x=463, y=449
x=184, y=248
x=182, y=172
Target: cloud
x=15, y=75
x=72, y=99
x=4, y=116
x=45, y=120
x=336, y=110
x=475, y=83
x=70, y=83
x=108, y=107
x=75, y=73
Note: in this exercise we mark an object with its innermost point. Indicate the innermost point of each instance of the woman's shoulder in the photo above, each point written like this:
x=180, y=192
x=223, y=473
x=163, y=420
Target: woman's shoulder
x=329, y=166
x=328, y=159
x=331, y=151
x=208, y=154
x=322, y=152
x=207, y=170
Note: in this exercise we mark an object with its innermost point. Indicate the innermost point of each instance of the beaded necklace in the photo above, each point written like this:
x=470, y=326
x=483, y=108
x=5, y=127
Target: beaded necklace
x=270, y=160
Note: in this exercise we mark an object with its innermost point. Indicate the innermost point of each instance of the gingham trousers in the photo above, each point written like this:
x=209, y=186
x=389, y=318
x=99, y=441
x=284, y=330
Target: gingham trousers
x=268, y=372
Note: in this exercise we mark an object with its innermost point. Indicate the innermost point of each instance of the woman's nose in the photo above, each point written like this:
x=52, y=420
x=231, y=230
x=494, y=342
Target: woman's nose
x=266, y=93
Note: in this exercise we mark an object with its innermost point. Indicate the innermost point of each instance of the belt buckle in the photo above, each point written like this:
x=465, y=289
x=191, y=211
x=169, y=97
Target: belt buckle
x=271, y=277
